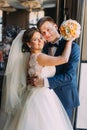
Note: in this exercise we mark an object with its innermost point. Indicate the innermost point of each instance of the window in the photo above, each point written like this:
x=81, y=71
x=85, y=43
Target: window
x=0, y=25
x=34, y=16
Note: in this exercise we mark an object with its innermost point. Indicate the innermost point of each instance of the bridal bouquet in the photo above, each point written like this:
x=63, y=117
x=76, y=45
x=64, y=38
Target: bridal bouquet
x=70, y=29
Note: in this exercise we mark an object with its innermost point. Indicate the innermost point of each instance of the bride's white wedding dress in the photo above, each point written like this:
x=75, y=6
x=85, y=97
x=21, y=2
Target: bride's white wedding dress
x=42, y=109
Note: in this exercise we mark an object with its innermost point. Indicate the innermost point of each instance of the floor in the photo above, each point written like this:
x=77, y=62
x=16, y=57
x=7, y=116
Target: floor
x=2, y=119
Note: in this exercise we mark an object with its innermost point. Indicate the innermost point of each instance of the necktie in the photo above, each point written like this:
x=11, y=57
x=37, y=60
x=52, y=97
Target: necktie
x=53, y=45
x=52, y=48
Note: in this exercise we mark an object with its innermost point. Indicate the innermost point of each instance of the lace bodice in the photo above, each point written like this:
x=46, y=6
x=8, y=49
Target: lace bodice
x=36, y=69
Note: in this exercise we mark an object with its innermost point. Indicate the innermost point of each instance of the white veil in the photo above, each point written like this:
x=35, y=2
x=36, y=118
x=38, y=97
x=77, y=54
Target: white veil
x=15, y=76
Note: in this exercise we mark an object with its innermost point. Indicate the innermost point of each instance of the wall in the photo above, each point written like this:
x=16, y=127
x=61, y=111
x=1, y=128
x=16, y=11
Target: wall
x=19, y=17
x=84, y=49
x=81, y=119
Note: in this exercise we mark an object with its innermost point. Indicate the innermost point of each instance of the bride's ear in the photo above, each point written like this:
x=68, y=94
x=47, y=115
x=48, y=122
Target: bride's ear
x=56, y=26
x=28, y=44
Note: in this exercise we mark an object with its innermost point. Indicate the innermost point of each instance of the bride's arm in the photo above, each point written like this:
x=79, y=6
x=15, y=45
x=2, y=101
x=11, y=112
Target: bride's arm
x=46, y=60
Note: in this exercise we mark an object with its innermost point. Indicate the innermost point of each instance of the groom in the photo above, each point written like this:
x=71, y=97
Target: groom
x=64, y=83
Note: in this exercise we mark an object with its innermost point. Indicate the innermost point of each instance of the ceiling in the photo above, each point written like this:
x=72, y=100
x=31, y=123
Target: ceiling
x=13, y=5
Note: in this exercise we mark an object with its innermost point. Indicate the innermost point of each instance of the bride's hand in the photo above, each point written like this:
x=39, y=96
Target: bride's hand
x=73, y=39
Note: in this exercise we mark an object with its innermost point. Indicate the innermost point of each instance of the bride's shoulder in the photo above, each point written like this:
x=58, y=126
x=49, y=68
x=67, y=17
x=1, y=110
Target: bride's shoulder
x=33, y=58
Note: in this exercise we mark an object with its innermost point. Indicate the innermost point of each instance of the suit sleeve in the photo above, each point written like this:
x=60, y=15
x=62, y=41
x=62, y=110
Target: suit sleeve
x=68, y=74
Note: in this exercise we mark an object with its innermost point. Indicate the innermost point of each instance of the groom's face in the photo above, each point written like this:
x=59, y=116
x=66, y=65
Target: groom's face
x=49, y=31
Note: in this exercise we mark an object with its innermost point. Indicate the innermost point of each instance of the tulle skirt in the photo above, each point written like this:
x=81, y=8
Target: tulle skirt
x=41, y=111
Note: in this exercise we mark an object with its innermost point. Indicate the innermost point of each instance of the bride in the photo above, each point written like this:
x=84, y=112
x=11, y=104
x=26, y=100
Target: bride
x=29, y=107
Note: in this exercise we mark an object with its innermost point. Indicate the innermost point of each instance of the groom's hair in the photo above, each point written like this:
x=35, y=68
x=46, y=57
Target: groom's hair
x=43, y=20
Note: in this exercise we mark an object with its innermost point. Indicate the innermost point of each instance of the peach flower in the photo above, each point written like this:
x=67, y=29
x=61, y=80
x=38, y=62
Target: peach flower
x=70, y=29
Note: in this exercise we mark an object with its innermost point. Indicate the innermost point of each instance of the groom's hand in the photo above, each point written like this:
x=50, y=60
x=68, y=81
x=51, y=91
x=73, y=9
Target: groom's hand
x=35, y=81
x=38, y=82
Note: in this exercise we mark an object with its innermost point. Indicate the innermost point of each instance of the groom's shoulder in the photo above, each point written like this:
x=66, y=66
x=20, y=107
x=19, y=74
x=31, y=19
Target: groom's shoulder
x=45, y=48
x=75, y=45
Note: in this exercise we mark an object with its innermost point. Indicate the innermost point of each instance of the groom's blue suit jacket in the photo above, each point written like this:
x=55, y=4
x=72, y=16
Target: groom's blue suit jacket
x=64, y=83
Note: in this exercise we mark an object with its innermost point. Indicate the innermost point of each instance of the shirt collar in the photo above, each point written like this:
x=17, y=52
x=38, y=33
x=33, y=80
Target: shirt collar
x=57, y=41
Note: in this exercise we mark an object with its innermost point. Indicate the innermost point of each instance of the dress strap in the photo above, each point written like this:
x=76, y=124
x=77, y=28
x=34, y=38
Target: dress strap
x=34, y=67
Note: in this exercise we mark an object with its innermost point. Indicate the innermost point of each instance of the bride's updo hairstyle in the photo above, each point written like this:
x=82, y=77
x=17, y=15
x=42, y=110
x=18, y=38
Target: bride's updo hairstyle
x=28, y=34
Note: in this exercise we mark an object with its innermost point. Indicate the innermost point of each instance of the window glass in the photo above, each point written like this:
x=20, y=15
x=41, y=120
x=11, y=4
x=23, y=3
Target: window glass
x=34, y=16
x=0, y=25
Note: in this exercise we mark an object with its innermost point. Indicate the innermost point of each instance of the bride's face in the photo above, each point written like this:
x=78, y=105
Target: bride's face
x=37, y=41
